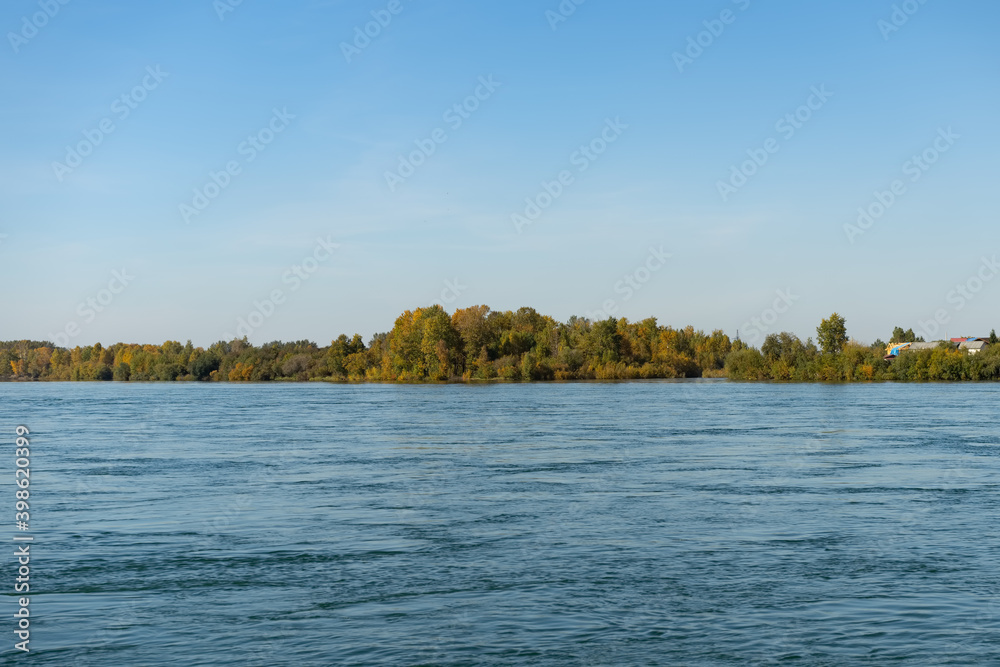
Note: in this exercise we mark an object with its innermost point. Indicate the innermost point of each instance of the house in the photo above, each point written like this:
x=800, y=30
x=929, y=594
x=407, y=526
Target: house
x=893, y=350
x=933, y=345
x=974, y=346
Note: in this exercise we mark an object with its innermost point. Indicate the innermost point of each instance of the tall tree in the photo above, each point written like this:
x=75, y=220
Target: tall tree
x=832, y=334
x=900, y=336
x=473, y=329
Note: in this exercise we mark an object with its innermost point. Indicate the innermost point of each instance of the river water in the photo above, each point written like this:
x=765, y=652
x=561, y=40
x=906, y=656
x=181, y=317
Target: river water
x=646, y=523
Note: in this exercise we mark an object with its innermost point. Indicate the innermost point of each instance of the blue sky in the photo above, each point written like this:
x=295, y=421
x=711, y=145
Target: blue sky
x=446, y=233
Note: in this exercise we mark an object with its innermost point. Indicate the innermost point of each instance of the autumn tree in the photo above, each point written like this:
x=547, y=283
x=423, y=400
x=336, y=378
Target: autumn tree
x=424, y=344
x=473, y=329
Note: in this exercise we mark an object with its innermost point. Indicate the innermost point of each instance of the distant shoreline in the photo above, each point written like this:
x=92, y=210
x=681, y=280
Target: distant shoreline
x=476, y=345
x=494, y=383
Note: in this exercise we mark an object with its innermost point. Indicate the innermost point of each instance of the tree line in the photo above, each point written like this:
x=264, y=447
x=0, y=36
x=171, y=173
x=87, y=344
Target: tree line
x=836, y=358
x=479, y=344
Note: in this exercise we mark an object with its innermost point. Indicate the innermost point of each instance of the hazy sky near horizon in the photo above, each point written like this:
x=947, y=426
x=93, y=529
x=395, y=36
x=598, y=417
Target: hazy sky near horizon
x=177, y=165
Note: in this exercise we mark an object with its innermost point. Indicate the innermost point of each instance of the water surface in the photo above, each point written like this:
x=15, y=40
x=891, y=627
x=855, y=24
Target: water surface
x=667, y=523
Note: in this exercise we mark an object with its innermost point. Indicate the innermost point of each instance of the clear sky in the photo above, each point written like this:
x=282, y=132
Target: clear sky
x=116, y=112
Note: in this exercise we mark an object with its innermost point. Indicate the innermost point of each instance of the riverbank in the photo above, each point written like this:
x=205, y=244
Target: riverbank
x=479, y=345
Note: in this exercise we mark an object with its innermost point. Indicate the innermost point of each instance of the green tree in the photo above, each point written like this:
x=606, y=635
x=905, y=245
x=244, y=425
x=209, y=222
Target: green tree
x=296, y=366
x=167, y=372
x=604, y=344
x=784, y=346
x=122, y=372
x=993, y=337
x=832, y=334
x=203, y=365
x=900, y=336
x=746, y=364
x=472, y=328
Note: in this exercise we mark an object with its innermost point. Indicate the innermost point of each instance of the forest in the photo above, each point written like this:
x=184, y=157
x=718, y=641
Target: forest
x=478, y=344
